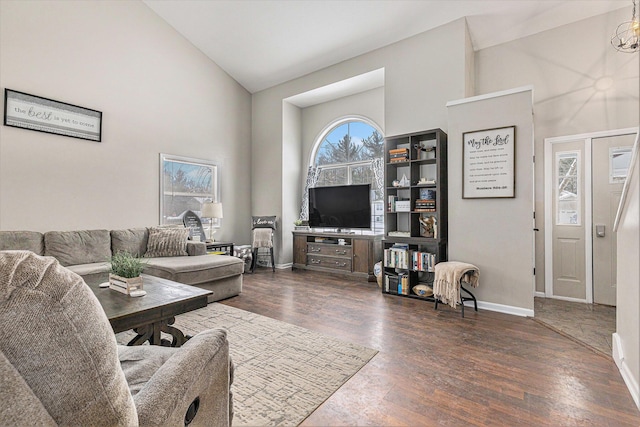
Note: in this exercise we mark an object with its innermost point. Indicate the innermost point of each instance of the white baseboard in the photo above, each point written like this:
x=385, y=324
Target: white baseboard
x=500, y=308
x=627, y=376
x=539, y=294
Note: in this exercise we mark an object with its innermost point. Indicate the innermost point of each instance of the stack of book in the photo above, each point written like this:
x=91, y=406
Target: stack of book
x=427, y=201
x=425, y=205
x=399, y=155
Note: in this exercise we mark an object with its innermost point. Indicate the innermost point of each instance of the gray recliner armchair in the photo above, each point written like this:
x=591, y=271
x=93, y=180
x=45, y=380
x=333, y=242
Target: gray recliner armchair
x=60, y=364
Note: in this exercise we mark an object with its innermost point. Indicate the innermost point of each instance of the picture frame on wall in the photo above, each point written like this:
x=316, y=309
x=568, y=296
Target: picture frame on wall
x=31, y=112
x=488, y=163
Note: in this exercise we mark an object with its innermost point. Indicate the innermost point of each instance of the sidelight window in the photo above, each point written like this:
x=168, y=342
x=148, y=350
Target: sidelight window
x=568, y=189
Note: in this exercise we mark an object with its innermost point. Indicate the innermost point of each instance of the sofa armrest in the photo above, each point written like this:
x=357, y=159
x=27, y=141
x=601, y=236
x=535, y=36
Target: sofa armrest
x=20, y=405
x=196, y=248
x=198, y=369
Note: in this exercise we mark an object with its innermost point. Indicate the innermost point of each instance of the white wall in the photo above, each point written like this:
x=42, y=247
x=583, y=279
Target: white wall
x=626, y=342
x=495, y=234
x=158, y=94
x=291, y=155
x=581, y=85
x=421, y=74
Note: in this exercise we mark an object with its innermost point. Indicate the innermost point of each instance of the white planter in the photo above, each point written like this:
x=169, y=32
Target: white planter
x=124, y=284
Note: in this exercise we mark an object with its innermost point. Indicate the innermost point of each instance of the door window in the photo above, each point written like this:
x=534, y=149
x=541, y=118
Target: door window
x=568, y=195
x=619, y=161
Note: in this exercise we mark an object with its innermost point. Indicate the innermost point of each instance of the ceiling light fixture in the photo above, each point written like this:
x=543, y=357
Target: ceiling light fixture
x=627, y=36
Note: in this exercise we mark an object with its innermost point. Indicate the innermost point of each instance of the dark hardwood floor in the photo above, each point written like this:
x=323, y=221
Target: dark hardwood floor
x=435, y=368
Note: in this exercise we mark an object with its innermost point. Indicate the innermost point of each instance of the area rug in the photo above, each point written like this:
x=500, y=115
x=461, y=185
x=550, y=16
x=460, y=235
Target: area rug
x=283, y=372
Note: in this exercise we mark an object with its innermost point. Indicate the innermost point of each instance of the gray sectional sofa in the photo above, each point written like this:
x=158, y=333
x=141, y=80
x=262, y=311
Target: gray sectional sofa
x=86, y=252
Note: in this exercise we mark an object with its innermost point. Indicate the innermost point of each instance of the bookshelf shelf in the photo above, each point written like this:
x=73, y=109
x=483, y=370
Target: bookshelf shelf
x=416, y=238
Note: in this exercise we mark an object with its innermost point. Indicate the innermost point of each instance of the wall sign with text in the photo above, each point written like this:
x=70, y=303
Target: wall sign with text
x=488, y=163
x=46, y=115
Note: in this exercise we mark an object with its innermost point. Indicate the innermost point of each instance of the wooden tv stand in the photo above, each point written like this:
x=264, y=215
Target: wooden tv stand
x=320, y=251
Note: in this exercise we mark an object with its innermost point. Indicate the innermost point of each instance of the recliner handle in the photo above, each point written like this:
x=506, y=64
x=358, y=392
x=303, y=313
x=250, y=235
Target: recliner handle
x=192, y=411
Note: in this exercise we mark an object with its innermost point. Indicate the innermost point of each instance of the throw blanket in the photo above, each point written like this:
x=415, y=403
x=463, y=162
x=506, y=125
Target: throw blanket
x=446, y=285
x=262, y=238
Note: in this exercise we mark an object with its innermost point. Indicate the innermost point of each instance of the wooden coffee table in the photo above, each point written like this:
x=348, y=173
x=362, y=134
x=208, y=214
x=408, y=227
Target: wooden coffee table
x=151, y=314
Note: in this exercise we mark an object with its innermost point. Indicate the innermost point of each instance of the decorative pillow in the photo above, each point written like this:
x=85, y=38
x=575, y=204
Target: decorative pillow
x=264, y=222
x=132, y=240
x=165, y=242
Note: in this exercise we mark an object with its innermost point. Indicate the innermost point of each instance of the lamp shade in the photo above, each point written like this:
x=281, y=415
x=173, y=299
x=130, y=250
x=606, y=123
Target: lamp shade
x=211, y=210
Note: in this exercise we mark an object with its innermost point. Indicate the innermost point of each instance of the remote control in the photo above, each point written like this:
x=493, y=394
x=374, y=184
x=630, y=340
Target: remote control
x=138, y=293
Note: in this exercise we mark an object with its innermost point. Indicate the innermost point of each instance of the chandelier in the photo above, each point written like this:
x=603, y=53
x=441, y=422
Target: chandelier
x=627, y=35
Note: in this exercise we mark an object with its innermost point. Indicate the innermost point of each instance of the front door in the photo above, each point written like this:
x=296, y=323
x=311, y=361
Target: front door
x=568, y=219
x=610, y=161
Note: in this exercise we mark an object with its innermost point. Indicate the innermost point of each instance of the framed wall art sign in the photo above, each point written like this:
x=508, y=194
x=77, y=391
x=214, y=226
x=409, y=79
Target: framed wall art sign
x=488, y=163
x=46, y=115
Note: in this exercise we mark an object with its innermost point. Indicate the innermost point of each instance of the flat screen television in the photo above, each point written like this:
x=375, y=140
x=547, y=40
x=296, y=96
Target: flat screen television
x=345, y=206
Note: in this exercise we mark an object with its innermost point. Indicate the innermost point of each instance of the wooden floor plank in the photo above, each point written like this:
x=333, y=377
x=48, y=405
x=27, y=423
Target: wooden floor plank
x=436, y=368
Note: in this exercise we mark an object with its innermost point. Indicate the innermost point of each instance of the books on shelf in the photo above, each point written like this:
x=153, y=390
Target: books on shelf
x=424, y=205
x=397, y=204
x=400, y=257
x=391, y=283
x=399, y=155
x=423, y=261
x=397, y=256
x=397, y=284
x=403, y=284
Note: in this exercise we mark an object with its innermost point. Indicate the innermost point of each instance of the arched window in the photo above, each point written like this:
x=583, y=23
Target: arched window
x=348, y=153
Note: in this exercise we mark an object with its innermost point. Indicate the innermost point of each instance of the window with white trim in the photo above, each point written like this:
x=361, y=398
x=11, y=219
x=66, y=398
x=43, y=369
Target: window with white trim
x=345, y=155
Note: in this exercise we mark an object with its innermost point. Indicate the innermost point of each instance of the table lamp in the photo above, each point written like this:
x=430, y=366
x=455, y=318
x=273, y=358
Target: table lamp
x=211, y=210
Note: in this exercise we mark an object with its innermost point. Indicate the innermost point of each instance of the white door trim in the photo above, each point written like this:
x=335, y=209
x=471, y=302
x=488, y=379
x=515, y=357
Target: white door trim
x=549, y=216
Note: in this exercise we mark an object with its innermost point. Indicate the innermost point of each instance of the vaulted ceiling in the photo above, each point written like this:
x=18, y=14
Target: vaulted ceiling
x=262, y=43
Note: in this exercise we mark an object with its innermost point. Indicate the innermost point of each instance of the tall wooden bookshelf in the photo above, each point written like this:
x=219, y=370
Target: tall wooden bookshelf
x=416, y=212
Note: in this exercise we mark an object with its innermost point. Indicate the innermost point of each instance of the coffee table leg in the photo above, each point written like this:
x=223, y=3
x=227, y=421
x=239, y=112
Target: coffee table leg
x=178, y=336
x=145, y=333
x=152, y=333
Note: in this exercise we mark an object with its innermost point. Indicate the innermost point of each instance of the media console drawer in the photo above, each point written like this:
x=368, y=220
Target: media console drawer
x=356, y=258
x=328, y=249
x=329, y=262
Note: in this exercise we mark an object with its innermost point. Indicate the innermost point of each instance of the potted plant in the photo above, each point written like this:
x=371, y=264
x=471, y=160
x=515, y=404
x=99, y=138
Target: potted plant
x=124, y=275
x=300, y=224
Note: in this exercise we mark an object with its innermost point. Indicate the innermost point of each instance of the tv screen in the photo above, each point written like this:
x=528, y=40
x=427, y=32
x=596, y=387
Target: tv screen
x=347, y=206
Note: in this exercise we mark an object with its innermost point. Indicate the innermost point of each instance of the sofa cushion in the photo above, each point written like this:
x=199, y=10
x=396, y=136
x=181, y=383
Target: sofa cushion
x=78, y=247
x=195, y=269
x=133, y=241
x=22, y=241
x=140, y=362
x=167, y=242
x=87, y=269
